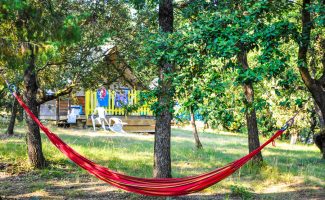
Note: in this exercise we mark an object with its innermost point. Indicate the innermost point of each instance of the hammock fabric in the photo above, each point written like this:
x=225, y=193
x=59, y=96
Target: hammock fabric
x=148, y=186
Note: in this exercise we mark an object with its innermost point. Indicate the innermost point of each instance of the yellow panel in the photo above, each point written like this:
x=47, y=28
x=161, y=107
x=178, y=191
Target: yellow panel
x=87, y=106
x=91, y=103
x=113, y=104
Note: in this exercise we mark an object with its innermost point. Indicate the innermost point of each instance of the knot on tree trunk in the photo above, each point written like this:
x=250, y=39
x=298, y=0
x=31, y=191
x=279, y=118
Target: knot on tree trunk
x=320, y=142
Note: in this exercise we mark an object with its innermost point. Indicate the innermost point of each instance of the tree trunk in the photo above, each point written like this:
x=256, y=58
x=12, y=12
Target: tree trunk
x=20, y=114
x=319, y=97
x=293, y=138
x=253, y=140
x=198, y=143
x=313, y=123
x=315, y=86
x=11, y=126
x=320, y=116
x=162, y=160
x=34, y=143
x=319, y=141
x=316, y=110
x=57, y=110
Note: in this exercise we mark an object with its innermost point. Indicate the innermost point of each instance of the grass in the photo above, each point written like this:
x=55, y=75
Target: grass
x=133, y=154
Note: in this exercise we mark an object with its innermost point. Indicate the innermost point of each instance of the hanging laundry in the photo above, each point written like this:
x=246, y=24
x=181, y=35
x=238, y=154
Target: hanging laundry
x=102, y=97
x=121, y=98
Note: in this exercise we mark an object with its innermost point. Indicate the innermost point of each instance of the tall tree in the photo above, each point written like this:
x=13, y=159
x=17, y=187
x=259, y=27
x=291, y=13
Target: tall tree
x=250, y=112
x=162, y=159
x=189, y=92
x=249, y=32
x=309, y=21
x=14, y=110
x=198, y=143
x=55, y=57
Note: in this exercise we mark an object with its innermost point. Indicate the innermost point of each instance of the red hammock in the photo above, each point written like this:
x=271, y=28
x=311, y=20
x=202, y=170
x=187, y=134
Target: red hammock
x=148, y=186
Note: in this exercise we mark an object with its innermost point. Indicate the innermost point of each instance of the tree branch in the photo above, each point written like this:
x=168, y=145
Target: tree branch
x=304, y=44
x=2, y=91
x=322, y=78
x=51, y=64
x=183, y=4
x=123, y=69
x=43, y=97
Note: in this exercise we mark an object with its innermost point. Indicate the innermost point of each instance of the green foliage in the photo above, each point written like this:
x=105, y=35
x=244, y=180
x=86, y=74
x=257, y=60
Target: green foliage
x=72, y=39
x=209, y=41
x=144, y=97
x=69, y=40
x=205, y=49
x=241, y=191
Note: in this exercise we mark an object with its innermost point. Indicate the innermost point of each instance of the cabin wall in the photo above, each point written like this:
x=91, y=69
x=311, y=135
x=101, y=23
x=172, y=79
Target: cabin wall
x=88, y=101
x=66, y=102
x=81, y=101
x=133, y=99
x=64, y=106
x=48, y=110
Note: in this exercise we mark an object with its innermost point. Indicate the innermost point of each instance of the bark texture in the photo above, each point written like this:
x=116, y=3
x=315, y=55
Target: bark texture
x=313, y=124
x=198, y=143
x=162, y=160
x=320, y=116
x=34, y=143
x=11, y=126
x=319, y=141
x=253, y=140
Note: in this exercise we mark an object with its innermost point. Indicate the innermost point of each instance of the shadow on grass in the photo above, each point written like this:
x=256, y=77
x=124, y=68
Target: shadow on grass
x=29, y=186
x=183, y=157
x=133, y=156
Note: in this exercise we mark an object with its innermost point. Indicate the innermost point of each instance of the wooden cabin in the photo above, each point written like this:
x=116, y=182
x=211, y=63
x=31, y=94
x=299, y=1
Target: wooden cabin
x=141, y=120
x=58, y=110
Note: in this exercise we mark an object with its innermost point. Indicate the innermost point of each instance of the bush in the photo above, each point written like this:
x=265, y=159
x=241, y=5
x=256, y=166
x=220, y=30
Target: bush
x=241, y=191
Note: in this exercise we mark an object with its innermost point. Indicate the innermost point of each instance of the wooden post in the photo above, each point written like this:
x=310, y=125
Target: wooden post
x=57, y=111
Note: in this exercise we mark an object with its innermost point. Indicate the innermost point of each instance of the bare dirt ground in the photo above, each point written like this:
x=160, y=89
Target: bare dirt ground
x=29, y=185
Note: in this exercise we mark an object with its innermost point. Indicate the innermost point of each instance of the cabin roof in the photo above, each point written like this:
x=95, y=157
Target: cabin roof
x=116, y=61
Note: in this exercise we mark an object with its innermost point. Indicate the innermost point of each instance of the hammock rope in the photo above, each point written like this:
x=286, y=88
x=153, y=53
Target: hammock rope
x=148, y=186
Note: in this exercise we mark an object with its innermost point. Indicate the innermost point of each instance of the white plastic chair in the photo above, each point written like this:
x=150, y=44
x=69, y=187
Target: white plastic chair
x=117, y=127
x=73, y=114
x=101, y=118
